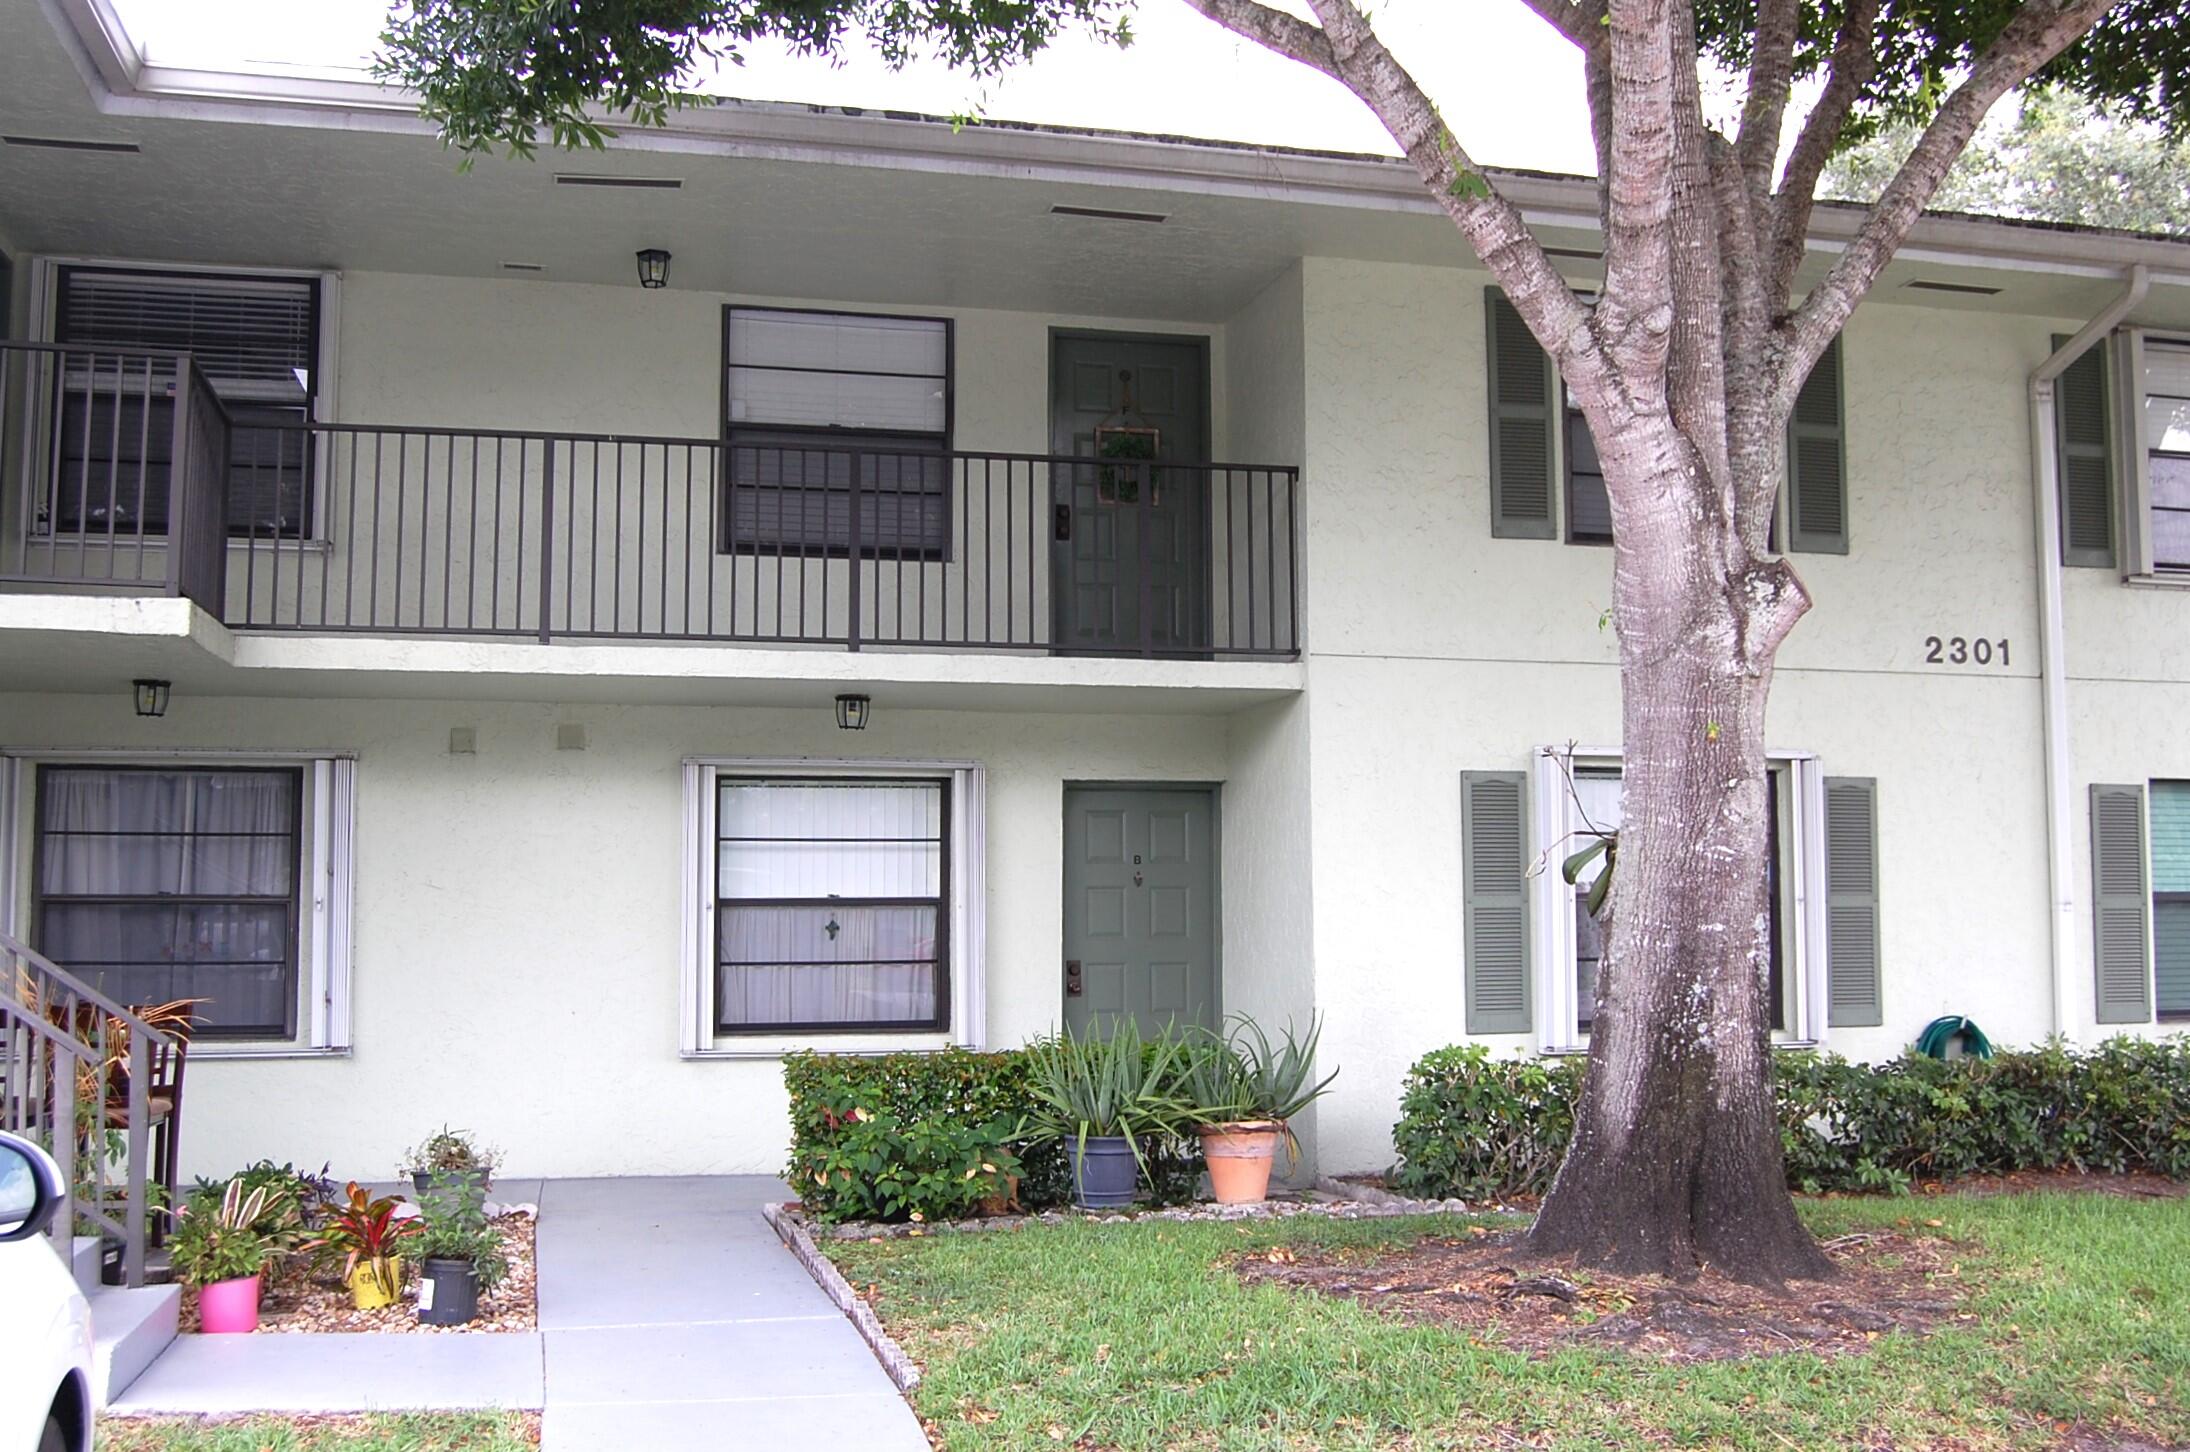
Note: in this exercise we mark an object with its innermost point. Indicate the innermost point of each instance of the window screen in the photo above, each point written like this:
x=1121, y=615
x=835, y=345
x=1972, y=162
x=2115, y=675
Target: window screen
x=256, y=339
x=815, y=400
x=158, y=885
x=831, y=904
x=2167, y=435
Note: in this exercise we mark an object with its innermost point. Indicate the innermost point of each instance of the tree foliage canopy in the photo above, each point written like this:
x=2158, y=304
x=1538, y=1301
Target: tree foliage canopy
x=2137, y=58
x=2056, y=160
x=503, y=73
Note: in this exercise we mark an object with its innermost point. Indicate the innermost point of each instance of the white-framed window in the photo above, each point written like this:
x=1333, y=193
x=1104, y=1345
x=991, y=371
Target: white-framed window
x=264, y=339
x=220, y=878
x=1576, y=794
x=2160, y=482
x=832, y=902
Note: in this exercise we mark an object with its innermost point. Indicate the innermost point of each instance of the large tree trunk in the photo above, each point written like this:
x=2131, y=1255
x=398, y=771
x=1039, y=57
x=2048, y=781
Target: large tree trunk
x=1676, y=1160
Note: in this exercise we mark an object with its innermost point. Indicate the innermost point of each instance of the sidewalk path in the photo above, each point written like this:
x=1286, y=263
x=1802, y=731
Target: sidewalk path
x=674, y=1319
x=671, y=1320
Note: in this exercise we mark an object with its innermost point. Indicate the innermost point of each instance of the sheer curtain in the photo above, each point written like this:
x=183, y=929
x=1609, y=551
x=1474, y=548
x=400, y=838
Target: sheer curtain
x=831, y=902
x=159, y=885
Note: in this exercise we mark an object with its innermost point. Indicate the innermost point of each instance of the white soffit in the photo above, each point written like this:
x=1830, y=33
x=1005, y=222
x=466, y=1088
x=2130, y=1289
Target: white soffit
x=811, y=201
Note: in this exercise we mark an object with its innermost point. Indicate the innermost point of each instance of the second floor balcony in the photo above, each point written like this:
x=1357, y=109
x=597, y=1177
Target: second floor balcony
x=124, y=471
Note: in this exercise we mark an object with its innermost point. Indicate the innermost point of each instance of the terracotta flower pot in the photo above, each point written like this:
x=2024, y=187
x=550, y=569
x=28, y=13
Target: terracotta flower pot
x=370, y=1289
x=1239, y=1158
x=228, y=1307
x=1004, y=1199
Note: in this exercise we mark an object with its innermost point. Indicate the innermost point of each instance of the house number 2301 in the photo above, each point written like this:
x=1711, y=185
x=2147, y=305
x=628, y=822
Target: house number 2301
x=1960, y=650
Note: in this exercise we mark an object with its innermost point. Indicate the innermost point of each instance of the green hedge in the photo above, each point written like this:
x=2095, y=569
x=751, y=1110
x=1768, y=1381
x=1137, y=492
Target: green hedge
x=1477, y=1127
x=929, y=1135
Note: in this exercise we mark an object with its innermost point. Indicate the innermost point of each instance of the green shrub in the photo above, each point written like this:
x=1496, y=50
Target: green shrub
x=1477, y=1127
x=894, y=1136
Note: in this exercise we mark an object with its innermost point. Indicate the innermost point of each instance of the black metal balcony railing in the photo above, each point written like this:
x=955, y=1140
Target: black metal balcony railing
x=283, y=525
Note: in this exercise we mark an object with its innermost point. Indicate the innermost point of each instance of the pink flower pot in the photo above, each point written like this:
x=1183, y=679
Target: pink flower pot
x=229, y=1306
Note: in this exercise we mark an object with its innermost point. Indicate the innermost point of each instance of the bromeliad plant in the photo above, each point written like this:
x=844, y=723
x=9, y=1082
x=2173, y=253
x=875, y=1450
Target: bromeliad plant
x=229, y=1234
x=369, y=1235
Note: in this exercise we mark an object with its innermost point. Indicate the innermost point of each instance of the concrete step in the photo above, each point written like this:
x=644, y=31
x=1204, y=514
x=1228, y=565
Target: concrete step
x=84, y=1261
x=129, y=1330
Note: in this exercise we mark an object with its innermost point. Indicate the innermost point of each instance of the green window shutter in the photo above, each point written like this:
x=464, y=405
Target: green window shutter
x=2084, y=455
x=1817, y=462
x=2171, y=898
x=2119, y=903
x=1854, y=998
x=1494, y=846
x=1523, y=416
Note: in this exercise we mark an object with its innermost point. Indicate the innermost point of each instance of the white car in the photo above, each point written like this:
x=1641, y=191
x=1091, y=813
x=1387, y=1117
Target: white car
x=45, y=1327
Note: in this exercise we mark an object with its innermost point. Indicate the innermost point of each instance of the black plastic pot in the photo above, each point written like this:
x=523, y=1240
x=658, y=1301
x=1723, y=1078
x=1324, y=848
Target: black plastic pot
x=1105, y=1176
x=422, y=1180
x=448, y=1293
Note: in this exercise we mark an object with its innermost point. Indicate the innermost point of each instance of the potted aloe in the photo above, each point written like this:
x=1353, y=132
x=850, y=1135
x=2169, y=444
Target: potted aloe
x=369, y=1235
x=1105, y=1096
x=222, y=1242
x=460, y=1253
x=450, y=1154
x=1243, y=1091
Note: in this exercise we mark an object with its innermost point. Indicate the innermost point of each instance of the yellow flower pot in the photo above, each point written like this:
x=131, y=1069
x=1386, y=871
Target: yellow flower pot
x=376, y=1283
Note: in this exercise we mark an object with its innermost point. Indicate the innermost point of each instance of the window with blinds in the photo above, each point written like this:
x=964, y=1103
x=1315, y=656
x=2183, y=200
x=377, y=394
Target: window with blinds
x=817, y=402
x=2167, y=438
x=158, y=885
x=255, y=338
x=831, y=901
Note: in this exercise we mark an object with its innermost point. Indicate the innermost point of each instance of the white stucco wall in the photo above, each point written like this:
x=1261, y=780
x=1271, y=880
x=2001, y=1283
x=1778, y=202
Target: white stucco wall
x=517, y=912
x=1434, y=649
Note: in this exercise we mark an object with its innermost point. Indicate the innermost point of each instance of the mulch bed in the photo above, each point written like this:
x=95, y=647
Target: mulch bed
x=1478, y=1284
x=2137, y=1185
x=299, y=1296
x=314, y=1428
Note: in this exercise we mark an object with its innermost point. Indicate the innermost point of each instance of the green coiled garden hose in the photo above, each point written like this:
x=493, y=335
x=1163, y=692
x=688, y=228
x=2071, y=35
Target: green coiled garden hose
x=1943, y=1031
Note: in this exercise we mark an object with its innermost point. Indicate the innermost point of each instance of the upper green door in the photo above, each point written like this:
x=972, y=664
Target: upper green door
x=1130, y=564
x=1140, y=907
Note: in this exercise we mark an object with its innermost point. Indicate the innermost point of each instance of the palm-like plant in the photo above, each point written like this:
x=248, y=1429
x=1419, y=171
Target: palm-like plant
x=1240, y=1076
x=367, y=1232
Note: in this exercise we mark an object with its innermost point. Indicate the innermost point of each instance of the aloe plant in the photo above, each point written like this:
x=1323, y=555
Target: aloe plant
x=1241, y=1075
x=1115, y=1085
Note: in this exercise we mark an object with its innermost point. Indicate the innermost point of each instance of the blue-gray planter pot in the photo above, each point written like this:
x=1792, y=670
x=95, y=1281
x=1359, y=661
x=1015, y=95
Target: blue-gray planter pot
x=1105, y=1176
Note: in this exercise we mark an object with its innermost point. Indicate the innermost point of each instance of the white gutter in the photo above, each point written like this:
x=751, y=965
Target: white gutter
x=2061, y=873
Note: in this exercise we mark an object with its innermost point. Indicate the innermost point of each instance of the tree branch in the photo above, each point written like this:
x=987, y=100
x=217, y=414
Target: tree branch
x=1771, y=82
x=2041, y=30
x=1854, y=62
x=1581, y=21
x=1490, y=222
x=1636, y=316
x=1273, y=29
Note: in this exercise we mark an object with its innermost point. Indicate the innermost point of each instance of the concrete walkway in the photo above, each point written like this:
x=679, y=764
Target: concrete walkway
x=675, y=1319
x=671, y=1318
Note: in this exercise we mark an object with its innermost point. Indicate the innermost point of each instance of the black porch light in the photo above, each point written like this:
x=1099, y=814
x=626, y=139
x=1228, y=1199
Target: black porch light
x=653, y=267
x=151, y=697
x=851, y=713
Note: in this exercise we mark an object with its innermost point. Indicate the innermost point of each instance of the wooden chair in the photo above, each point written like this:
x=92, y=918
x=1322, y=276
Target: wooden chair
x=163, y=1110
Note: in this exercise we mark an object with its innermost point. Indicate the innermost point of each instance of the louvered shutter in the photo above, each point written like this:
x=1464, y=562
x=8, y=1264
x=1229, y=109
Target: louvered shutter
x=1854, y=994
x=2119, y=904
x=2083, y=453
x=1817, y=462
x=1523, y=414
x=1494, y=845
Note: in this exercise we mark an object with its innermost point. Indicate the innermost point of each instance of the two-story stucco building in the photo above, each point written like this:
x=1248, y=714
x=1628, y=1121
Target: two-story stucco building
x=1001, y=576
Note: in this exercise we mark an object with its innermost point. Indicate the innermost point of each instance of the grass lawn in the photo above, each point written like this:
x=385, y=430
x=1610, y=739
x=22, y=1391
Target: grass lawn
x=419, y=1432
x=1137, y=1336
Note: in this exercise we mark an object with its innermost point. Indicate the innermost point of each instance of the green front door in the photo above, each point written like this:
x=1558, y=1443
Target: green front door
x=1140, y=906
x=1130, y=551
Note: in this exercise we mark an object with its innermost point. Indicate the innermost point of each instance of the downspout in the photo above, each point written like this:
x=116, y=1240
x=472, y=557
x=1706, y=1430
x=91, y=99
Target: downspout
x=2053, y=635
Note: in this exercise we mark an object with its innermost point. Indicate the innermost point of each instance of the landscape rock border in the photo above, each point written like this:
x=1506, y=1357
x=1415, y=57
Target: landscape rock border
x=896, y=1364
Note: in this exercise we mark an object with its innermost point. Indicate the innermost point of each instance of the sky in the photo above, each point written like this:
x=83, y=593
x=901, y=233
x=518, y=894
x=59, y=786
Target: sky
x=1508, y=86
